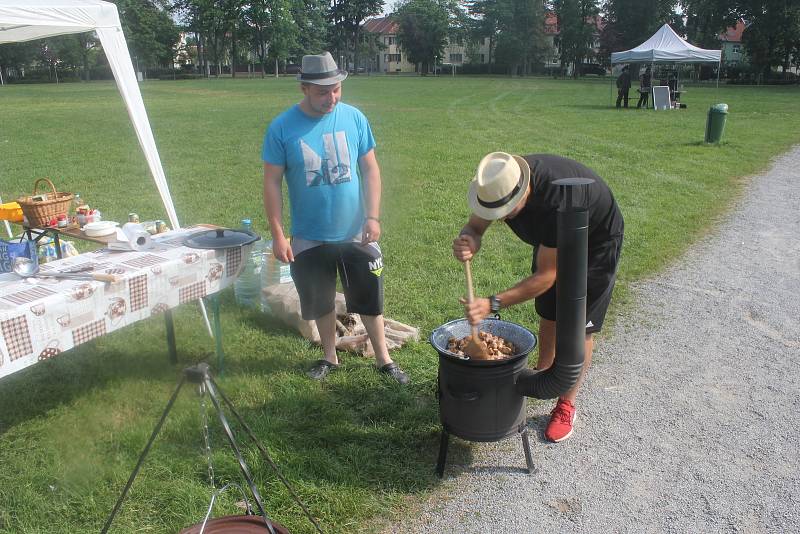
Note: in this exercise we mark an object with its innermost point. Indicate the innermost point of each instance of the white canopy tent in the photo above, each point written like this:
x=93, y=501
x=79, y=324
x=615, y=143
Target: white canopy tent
x=25, y=20
x=666, y=46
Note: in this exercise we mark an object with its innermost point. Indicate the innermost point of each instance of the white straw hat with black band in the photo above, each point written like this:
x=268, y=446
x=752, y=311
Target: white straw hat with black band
x=320, y=69
x=499, y=184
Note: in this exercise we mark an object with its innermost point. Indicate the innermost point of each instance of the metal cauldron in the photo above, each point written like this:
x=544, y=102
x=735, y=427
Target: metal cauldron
x=477, y=398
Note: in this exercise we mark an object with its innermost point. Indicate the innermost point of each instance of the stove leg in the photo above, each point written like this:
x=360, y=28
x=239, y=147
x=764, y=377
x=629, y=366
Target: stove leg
x=526, y=446
x=442, y=453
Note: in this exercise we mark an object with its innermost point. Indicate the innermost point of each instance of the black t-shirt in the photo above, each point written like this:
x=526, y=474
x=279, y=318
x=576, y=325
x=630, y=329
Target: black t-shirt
x=537, y=224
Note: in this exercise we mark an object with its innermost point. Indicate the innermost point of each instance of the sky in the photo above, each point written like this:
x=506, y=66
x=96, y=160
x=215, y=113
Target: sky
x=389, y=5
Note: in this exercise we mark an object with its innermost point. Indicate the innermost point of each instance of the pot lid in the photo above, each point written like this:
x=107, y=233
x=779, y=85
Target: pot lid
x=221, y=238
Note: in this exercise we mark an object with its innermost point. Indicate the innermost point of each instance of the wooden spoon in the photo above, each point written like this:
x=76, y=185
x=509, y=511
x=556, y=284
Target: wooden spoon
x=475, y=348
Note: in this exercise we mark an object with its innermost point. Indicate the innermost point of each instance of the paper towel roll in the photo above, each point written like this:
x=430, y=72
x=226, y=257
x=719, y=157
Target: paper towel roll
x=138, y=237
x=132, y=236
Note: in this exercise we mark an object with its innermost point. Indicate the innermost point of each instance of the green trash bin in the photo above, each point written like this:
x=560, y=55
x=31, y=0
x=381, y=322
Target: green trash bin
x=715, y=123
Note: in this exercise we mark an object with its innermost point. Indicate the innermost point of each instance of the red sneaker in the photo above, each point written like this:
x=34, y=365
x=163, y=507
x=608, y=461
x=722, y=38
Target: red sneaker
x=562, y=419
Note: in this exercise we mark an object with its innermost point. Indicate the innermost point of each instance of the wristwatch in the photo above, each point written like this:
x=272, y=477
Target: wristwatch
x=494, y=304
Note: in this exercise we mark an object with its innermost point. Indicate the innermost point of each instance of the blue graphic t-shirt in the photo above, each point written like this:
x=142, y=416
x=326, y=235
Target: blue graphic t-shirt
x=320, y=157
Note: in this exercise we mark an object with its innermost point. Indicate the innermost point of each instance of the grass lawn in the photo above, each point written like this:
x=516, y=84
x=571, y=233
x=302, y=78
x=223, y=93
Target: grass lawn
x=356, y=448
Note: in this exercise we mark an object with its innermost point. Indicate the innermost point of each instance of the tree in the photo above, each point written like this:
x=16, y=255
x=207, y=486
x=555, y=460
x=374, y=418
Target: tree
x=370, y=47
x=520, y=39
x=274, y=33
x=346, y=18
x=772, y=34
x=577, y=23
x=310, y=18
x=149, y=30
x=515, y=29
x=422, y=31
x=15, y=56
x=209, y=21
x=484, y=24
x=88, y=46
x=631, y=22
x=706, y=19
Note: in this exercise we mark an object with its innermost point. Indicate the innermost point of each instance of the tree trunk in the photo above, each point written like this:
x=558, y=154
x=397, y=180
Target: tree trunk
x=355, y=49
x=233, y=55
x=201, y=54
x=276, y=67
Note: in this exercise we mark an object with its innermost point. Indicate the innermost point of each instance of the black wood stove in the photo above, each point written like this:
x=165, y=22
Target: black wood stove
x=485, y=400
x=477, y=398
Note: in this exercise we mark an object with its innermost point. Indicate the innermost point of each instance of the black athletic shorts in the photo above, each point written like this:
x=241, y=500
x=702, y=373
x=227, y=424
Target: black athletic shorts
x=360, y=269
x=601, y=276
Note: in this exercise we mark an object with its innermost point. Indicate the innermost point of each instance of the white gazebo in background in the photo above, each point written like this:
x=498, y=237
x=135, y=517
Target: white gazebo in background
x=666, y=46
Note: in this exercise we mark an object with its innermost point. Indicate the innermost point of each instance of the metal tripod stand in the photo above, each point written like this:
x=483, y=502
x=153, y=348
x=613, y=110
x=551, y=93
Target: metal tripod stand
x=199, y=375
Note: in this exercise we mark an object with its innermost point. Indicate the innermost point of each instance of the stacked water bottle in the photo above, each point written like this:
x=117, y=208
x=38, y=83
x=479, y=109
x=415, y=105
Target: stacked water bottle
x=247, y=287
x=260, y=270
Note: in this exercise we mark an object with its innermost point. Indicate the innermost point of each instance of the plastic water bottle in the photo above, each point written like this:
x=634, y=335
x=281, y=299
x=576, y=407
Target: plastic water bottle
x=247, y=288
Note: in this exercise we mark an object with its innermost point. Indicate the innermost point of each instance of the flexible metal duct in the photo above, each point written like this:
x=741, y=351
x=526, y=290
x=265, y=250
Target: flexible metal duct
x=572, y=246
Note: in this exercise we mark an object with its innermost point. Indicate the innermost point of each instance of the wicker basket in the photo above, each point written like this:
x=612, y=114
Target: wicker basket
x=42, y=212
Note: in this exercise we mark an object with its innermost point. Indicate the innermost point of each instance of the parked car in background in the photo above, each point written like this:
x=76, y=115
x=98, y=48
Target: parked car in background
x=292, y=68
x=593, y=68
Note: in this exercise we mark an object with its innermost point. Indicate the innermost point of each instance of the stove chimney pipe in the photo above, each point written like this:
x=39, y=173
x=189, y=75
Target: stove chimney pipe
x=571, y=271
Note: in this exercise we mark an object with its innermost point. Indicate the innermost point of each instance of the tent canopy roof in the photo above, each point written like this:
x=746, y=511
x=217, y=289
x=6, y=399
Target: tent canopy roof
x=35, y=19
x=666, y=46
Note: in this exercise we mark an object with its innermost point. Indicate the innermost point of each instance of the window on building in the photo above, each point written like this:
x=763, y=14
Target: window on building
x=736, y=49
x=456, y=58
x=391, y=57
x=483, y=59
x=388, y=40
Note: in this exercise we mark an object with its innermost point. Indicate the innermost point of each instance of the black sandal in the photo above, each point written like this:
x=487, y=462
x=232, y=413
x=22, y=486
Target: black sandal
x=321, y=369
x=393, y=370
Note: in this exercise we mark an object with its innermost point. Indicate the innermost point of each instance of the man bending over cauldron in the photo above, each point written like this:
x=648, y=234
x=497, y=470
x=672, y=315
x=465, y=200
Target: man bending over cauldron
x=520, y=192
x=326, y=152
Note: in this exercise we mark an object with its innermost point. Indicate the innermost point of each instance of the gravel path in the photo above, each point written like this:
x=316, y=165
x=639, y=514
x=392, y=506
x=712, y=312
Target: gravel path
x=690, y=418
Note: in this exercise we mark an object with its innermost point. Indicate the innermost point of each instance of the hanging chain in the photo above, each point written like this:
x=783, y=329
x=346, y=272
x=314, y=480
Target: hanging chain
x=201, y=390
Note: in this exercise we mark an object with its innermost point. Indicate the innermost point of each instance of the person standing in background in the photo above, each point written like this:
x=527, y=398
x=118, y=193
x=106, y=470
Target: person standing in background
x=623, y=86
x=645, y=82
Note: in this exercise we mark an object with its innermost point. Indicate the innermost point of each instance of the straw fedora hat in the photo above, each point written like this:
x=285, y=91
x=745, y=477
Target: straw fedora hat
x=320, y=69
x=499, y=184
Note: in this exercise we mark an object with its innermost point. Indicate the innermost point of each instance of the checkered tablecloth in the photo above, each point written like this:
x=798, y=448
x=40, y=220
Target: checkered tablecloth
x=42, y=317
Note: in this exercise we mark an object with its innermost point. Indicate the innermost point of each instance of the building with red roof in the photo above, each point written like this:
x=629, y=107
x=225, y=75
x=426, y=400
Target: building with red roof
x=391, y=59
x=731, y=40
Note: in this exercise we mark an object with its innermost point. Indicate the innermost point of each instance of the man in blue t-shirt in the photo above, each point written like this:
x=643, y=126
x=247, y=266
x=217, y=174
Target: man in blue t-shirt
x=326, y=152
